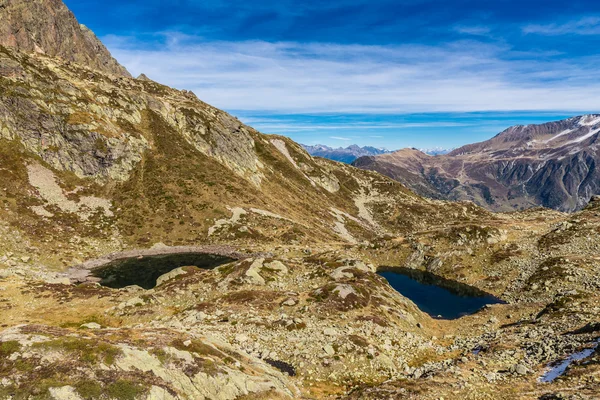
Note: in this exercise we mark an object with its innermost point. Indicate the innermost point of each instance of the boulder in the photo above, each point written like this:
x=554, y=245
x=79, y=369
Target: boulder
x=170, y=275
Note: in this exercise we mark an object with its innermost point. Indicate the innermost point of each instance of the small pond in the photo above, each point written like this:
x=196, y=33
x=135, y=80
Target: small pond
x=439, y=297
x=145, y=270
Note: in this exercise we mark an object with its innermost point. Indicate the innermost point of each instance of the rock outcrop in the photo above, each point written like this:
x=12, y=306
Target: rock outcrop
x=49, y=27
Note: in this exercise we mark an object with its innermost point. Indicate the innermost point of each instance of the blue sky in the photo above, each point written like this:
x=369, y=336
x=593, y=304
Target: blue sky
x=403, y=73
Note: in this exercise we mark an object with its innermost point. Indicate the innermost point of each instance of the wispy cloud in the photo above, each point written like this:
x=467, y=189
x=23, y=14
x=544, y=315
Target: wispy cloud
x=277, y=125
x=583, y=26
x=320, y=78
x=339, y=138
x=474, y=30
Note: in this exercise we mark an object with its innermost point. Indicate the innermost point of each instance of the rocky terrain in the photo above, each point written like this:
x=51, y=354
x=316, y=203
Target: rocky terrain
x=101, y=174
x=49, y=27
x=346, y=155
x=551, y=165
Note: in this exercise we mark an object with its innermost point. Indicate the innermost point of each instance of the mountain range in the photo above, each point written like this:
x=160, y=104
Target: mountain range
x=552, y=165
x=346, y=155
x=349, y=154
x=154, y=247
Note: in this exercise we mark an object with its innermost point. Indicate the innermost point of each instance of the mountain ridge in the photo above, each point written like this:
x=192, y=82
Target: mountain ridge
x=551, y=165
x=343, y=154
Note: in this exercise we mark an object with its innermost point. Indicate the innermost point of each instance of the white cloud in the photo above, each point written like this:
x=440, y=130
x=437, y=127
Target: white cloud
x=339, y=138
x=330, y=78
x=277, y=125
x=475, y=30
x=583, y=26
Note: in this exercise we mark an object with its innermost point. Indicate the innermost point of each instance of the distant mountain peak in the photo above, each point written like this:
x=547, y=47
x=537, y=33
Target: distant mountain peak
x=346, y=155
x=589, y=120
x=49, y=27
x=551, y=164
x=435, y=151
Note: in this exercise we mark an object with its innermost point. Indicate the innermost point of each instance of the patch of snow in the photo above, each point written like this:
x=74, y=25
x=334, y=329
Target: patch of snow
x=589, y=120
x=559, y=369
x=584, y=137
x=559, y=135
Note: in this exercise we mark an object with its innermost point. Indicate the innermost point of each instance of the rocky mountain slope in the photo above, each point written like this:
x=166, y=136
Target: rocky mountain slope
x=98, y=155
x=346, y=155
x=49, y=27
x=551, y=165
x=286, y=301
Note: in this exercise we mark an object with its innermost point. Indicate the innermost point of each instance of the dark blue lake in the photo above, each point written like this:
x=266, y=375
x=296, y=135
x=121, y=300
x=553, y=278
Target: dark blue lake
x=439, y=297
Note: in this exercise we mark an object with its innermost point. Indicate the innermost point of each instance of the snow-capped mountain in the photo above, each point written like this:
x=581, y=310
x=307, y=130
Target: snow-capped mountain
x=552, y=165
x=346, y=155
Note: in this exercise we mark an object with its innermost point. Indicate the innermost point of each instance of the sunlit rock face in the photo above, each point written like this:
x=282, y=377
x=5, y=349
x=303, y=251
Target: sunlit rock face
x=49, y=27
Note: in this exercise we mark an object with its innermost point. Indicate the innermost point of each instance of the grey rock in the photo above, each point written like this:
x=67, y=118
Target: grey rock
x=48, y=27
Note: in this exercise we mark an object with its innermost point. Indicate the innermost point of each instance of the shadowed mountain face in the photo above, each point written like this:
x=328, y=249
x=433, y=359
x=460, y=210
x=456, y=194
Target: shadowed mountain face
x=49, y=27
x=346, y=155
x=551, y=165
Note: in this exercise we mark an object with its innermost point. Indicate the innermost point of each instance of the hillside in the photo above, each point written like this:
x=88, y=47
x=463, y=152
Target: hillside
x=93, y=154
x=551, y=165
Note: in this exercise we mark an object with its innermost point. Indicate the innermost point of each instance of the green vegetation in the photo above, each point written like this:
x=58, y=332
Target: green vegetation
x=125, y=390
x=506, y=254
x=100, y=145
x=162, y=355
x=85, y=350
x=177, y=210
x=89, y=319
x=8, y=348
x=197, y=347
x=554, y=268
x=89, y=390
